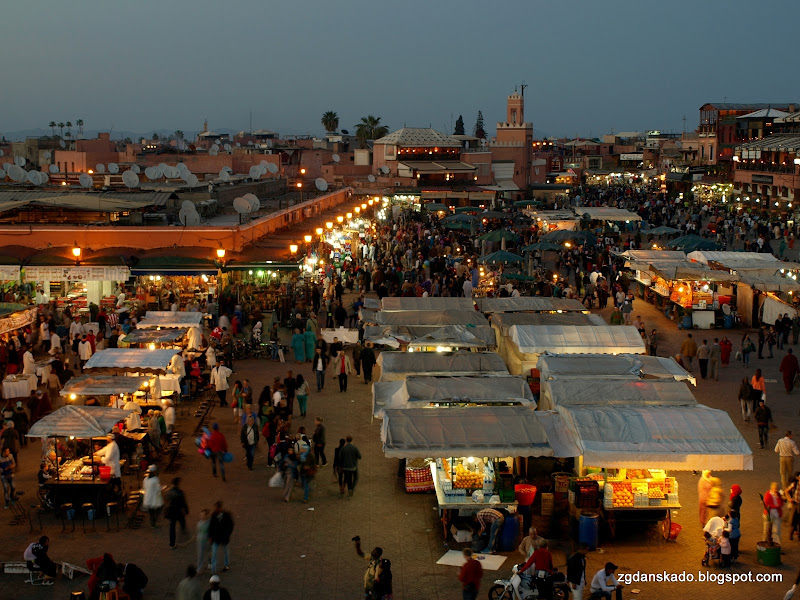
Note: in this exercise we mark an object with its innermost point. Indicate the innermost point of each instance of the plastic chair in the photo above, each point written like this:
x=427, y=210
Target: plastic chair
x=112, y=507
x=88, y=514
x=107, y=593
x=35, y=575
x=67, y=514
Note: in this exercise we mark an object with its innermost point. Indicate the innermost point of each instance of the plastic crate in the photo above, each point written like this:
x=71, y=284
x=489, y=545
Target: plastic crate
x=548, y=501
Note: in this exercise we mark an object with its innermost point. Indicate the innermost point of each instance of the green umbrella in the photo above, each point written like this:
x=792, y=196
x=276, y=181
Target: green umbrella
x=691, y=242
x=564, y=235
x=474, y=210
x=541, y=247
x=527, y=203
x=460, y=218
x=493, y=214
x=498, y=235
x=435, y=207
x=663, y=230
x=457, y=225
x=501, y=256
x=518, y=277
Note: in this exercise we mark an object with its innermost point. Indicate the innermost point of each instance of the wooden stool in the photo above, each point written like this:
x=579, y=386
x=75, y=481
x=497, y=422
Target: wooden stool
x=88, y=513
x=106, y=593
x=67, y=514
x=112, y=507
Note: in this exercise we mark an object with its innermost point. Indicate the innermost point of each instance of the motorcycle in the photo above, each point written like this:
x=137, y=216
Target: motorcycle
x=513, y=588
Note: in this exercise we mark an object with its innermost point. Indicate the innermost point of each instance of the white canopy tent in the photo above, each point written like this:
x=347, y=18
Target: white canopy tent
x=78, y=421
x=621, y=366
x=464, y=431
x=103, y=385
x=168, y=319
x=132, y=360
x=431, y=317
x=523, y=344
x=614, y=392
x=528, y=304
x=605, y=213
x=399, y=365
x=452, y=336
x=449, y=390
x=683, y=438
x=431, y=303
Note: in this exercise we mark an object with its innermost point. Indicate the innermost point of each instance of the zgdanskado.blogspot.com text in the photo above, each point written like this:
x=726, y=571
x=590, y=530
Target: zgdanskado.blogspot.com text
x=699, y=577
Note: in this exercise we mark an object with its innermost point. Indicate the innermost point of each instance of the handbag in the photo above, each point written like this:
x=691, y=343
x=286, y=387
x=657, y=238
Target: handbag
x=276, y=481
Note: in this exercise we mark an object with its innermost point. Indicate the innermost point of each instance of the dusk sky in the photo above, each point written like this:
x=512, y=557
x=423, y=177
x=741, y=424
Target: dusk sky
x=591, y=66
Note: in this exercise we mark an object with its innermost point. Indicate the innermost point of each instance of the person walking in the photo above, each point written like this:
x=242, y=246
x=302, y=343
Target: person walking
x=215, y=591
x=759, y=385
x=219, y=379
x=688, y=351
x=762, y=337
x=790, y=368
x=299, y=346
x=745, y=399
x=218, y=446
x=343, y=369
x=153, y=500
x=704, y=485
x=725, y=351
x=177, y=509
x=652, y=343
x=201, y=534
x=290, y=464
x=576, y=571
x=7, y=467
x=786, y=449
x=470, y=576
x=319, y=364
x=746, y=349
x=350, y=455
x=368, y=361
x=773, y=513
x=248, y=436
x=308, y=470
x=338, y=471
x=318, y=440
x=714, y=356
x=763, y=417
x=703, y=354
x=357, y=350
x=220, y=529
x=302, y=391
x=189, y=587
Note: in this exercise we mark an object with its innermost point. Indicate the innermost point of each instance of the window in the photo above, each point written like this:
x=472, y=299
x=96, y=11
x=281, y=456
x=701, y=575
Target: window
x=702, y=152
x=711, y=153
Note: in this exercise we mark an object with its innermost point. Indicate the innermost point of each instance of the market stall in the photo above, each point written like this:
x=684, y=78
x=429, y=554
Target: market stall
x=501, y=322
x=432, y=337
x=392, y=303
x=468, y=318
x=109, y=388
x=136, y=361
x=608, y=366
x=523, y=344
x=396, y=366
x=152, y=338
x=78, y=476
x=166, y=319
x=614, y=392
x=535, y=304
x=344, y=335
x=19, y=386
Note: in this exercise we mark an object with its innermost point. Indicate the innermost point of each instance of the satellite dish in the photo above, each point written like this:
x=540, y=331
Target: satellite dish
x=272, y=168
x=215, y=147
x=238, y=145
x=336, y=158
x=344, y=131
x=679, y=145
x=47, y=154
x=188, y=206
x=227, y=147
x=224, y=175
x=150, y=172
x=158, y=172
x=85, y=180
x=130, y=179
x=321, y=184
x=371, y=178
x=188, y=214
x=44, y=177
x=136, y=169
x=100, y=168
x=192, y=180
x=241, y=206
x=1, y=153
x=53, y=168
x=33, y=177
x=264, y=163
x=213, y=151
x=19, y=161
x=62, y=144
x=16, y=173
x=253, y=201
x=113, y=168
x=385, y=170
x=255, y=172
x=181, y=167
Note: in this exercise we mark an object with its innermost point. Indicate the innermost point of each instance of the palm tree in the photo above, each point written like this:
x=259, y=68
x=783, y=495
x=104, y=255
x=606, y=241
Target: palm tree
x=178, y=134
x=330, y=121
x=370, y=128
x=61, y=128
x=79, y=123
x=53, y=126
x=68, y=124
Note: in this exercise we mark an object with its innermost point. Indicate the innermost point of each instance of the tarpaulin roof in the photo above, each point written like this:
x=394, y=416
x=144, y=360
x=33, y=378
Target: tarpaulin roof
x=103, y=385
x=559, y=366
x=770, y=283
x=166, y=318
x=431, y=303
x=528, y=304
x=614, y=392
x=683, y=438
x=78, y=421
x=427, y=389
x=604, y=213
x=154, y=336
x=505, y=320
x=132, y=359
x=397, y=365
x=572, y=339
x=463, y=431
x=745, y=263
x=688, y=271
x=453, y=335
x=431, y=317
x=367, y=315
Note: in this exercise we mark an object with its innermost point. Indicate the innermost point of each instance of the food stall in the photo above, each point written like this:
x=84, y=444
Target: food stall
x=609, y=366
x=423, y=338
x=154, y=338
x=435, y=303
x=523, y=344
x=531, y=304
x=108, y=388
x=78, y=476
x=136, y=361
x=396, y=366
x=574, y=391
x=165, y=319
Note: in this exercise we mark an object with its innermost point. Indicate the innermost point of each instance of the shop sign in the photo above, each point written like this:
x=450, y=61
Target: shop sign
x=698, y=169
x=761, y=179
x=634, y=156
x=18, y=319
x=9, y=272
x=77, y=273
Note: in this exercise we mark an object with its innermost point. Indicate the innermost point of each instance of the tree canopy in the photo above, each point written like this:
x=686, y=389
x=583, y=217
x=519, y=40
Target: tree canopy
x=459, y=126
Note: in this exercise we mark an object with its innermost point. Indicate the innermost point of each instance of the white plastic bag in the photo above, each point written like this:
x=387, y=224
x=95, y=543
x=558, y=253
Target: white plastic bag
x=276, y=480
x=790, y=594
x=477, y=496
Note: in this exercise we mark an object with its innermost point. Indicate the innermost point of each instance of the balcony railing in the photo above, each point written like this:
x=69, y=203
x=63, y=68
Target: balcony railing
x=766, y=168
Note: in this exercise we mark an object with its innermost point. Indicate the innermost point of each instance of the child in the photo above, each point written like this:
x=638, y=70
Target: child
x=725, y=548
x=735, y=534
x=710, y=548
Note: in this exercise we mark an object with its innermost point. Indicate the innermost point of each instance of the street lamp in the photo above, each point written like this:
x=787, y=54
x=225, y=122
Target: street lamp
x=358, y=209
x=302, y=172
x=220, y=252
x=293, y=248
x=319, y=230
x=76, y=252
x=349, y=215
x=340, y=218
x=307, y=239
x=329, y=225
x=364, y=206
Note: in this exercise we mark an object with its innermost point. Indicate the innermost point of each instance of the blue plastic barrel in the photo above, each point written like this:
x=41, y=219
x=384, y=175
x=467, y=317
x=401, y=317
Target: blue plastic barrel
x=728, y=321
x=588, y=530
x=509, y=534
x=687, y=321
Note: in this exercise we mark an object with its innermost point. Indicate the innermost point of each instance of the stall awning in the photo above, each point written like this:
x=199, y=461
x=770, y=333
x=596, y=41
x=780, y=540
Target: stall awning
x=103, y=385
x=154, y=336
x=457, y=336
x=604, y=213
x=431, y=317
x=132, y=360
x=78, y=421
x=572, y=339
x=528, y=304
x=770, y=283
x=583, y=366
x=683, y=438
x=169, y=319
x=614, y=392
x=463, y=431
x=689, y=271
x=403, y=303
x=506, y=320
x=398, y=365
x=174, y=265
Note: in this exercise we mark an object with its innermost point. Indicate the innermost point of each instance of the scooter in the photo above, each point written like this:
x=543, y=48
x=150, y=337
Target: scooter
x=512, y=588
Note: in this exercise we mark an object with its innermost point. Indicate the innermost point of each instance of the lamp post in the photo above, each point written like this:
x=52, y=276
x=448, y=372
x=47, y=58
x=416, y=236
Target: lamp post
x=220, y=263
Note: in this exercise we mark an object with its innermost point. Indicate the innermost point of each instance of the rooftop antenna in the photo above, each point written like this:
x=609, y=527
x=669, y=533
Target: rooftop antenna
x=684, y=123
x=522, y=87
x=251, y=121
